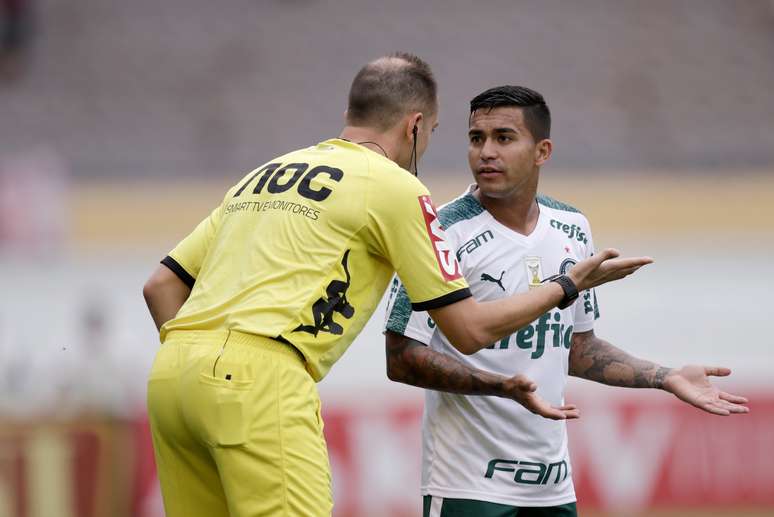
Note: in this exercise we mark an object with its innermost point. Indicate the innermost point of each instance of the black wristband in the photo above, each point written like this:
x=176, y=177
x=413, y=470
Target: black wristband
x=569, y=288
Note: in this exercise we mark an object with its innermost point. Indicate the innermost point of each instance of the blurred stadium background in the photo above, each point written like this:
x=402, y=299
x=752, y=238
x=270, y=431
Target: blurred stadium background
x=121, y=124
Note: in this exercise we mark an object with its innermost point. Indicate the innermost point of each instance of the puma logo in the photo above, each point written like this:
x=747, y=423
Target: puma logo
x=486, y=278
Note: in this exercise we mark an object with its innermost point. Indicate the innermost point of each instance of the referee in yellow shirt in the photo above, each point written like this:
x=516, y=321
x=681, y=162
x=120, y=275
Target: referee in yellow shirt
x=266, y=293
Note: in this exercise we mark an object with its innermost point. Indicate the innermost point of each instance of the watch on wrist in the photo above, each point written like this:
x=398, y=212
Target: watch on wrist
x=569, y=288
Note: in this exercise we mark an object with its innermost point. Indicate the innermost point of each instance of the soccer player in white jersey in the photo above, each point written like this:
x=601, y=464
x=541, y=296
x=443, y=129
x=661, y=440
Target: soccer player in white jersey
x=486, y=456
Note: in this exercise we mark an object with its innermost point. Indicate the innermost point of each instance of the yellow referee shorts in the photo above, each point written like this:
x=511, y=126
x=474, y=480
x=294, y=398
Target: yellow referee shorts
x=236, y=428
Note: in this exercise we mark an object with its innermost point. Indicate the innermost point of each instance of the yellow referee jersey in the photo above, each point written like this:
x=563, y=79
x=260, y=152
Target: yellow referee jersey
x=302, y=249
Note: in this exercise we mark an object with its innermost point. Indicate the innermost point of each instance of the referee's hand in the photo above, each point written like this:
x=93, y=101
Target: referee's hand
x=524, y=391
x=603, y=267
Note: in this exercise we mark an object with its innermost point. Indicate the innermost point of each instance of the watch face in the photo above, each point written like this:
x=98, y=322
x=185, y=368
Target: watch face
x=570, y=291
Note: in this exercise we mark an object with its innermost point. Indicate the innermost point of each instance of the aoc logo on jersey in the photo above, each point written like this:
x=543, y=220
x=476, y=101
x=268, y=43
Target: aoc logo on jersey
x=450, y=268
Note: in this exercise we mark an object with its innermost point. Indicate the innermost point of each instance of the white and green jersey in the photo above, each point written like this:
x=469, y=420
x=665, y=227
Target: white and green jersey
x=491, y=448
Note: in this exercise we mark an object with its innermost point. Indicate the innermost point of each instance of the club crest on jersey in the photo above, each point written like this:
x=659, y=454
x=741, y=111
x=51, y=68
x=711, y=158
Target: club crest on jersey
x=450, y=268
x=567, y=264
x=534, y=267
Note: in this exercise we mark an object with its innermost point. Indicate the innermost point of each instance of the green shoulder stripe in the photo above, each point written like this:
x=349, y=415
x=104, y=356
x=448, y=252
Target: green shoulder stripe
x=461, y=209
x=400, y=313
x=553, y=203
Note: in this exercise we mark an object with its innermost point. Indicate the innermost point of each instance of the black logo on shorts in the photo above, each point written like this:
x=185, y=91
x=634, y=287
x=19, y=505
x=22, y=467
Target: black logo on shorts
x=323, y=310
x=487, y=278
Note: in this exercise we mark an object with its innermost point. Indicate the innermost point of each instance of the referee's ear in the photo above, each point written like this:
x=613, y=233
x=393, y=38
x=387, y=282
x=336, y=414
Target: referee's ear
x=414, y=120
x=543, y=150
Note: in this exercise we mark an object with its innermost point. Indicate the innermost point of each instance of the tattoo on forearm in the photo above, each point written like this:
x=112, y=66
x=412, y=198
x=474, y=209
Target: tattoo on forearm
x=421, y=366
x=597, y=360
x=660, y=376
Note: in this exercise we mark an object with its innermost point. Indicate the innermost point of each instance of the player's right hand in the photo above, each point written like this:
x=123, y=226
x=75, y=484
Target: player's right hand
x=603, y=267
x=524, y=391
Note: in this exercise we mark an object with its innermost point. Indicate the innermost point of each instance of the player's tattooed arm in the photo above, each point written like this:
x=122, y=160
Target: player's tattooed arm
x=597, y=360
x=412, y=362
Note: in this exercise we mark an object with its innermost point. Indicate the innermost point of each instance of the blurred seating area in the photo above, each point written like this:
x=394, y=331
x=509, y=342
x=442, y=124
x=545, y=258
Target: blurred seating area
x=195, y=88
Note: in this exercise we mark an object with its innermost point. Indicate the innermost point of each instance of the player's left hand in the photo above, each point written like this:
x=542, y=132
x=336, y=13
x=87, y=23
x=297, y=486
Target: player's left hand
x=691, y=384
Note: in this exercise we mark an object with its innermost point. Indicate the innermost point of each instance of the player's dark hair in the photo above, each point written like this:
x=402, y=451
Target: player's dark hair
x=537, y=116
x=388, y=88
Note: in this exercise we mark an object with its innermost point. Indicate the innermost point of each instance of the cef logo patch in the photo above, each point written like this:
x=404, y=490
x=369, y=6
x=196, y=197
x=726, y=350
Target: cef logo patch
x=450, y=268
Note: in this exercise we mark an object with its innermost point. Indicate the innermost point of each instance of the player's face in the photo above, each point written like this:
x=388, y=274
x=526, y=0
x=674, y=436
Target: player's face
x=502, y=153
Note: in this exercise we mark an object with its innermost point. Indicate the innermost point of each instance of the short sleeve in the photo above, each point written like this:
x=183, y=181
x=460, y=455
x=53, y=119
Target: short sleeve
x=186, y=259
x=401, y=319
x=408, y=234
x=586, y=308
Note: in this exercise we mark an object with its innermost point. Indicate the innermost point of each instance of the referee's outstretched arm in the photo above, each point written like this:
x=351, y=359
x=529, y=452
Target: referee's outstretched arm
x=470, y=325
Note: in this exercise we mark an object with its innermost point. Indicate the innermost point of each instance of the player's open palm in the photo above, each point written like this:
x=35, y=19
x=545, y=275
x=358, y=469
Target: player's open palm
x=524, y=391
x=691, y=384
x=605, y=266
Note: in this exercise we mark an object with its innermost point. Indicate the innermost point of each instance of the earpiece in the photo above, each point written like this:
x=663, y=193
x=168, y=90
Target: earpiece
x=414, y=151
